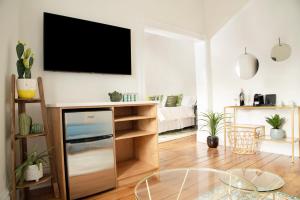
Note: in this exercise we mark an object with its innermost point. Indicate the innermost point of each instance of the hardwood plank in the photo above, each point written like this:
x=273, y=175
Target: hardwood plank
x=187, y=152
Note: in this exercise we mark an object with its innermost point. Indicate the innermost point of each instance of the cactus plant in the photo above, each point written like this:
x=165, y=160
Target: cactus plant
x=25, y=122
x=37, y=128
x=25, y=60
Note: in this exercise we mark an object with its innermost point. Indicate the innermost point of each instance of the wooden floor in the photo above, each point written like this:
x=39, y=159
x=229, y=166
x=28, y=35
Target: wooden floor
x=188, y=153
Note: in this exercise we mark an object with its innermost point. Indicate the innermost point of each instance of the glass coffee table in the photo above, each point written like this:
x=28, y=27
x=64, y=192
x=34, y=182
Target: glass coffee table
x=198, y=184
x=263, y=180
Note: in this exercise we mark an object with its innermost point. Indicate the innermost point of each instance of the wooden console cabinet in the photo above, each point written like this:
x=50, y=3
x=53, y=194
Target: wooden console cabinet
x=135, y=139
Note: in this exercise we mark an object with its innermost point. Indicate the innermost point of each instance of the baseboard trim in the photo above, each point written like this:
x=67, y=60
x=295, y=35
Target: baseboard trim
x=4, y=195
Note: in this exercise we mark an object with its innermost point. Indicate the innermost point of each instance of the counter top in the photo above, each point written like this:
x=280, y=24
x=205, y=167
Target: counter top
x=99, y=104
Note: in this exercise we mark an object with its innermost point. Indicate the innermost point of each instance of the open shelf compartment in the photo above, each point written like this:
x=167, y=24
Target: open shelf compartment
x=138, y=128
x=136, y=156
x=129, y=113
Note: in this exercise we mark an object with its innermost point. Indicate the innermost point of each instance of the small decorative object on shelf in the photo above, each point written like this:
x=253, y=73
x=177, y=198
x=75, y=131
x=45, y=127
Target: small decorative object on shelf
x=32, y=168
x=213, y=123
x=25, y=122
x=26, y=86
x=115, y=96
x=242, y=98
x=270, y=100
x=37, y=128
x=258, y=100
x=276, y=122
x=128, y=97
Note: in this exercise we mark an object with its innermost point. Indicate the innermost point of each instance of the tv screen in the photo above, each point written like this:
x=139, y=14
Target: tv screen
x=76, y=45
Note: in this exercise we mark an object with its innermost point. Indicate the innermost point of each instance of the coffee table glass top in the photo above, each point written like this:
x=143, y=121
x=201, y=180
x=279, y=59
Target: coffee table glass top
x=263, y=180
x=194, y=184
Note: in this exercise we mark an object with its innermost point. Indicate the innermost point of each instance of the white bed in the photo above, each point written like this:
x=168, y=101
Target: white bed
x=172, y=118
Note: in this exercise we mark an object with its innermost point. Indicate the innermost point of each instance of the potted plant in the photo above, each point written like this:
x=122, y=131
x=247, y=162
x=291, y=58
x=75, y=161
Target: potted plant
x=213, y=122
x=26, y=86
x=276, y=122
x=32, y=168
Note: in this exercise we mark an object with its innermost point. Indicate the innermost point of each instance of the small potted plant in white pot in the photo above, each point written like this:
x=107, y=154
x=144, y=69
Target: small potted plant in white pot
x=213, y=122
x=32, y=168
x=276, y=133
x=26, y=86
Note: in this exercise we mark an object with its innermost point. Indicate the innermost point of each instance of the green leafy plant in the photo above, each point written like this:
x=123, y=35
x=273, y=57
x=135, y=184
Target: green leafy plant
x=213, y=122
x=25, y=60
x=33, y=158
x=275, y=121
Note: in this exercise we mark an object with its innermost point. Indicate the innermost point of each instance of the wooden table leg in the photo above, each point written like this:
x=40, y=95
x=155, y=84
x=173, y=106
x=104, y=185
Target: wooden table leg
x=225, y=128
x=293, y=134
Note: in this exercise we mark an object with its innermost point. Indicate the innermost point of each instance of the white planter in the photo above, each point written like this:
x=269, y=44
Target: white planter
x=34, y=172
x=277, y=134
x=26, y=88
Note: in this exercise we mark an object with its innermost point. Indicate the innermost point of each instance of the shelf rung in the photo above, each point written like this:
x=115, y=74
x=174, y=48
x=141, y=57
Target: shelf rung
x=284, y=140
x=20, y=100
x=132, y=117
x=126, y=134
x=30, y=135
x=28, y=184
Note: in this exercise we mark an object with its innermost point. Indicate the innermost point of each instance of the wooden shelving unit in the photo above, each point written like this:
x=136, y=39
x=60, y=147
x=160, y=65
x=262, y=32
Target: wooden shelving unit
x=21, y=141
x=135, y=139
x=232, y=112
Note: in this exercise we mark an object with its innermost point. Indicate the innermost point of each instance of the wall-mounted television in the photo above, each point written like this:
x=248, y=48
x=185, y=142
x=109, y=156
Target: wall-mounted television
x=76, y=45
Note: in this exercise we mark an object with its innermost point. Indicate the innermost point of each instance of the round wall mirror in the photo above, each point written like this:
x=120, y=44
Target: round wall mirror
x=280, y=52
x=246, y=66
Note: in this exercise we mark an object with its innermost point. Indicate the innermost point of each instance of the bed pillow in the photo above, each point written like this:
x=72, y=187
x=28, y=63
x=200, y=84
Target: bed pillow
x=171, y=101
x=156, y=98
x=188, y=101
x=179, y=99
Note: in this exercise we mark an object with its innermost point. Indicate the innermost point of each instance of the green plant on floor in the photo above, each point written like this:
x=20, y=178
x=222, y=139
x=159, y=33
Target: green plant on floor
x=25, y=60
x=275, y=121
x=213, y=122
x=33, y=158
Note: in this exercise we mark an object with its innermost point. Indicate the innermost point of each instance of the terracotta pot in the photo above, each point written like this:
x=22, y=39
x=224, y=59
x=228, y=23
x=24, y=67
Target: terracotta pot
x=212, y=141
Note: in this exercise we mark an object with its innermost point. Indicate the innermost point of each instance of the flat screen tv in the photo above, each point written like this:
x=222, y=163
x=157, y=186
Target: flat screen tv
x=76, y=45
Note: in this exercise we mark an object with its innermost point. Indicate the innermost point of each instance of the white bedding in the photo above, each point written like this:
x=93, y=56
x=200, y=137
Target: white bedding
x=172, y=118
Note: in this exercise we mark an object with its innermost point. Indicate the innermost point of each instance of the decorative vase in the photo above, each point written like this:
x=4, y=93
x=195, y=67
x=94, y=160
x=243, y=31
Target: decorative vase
x=277, y=134
x=212, y=141
x=25, y=122
x=37, y=128
x=26, y=88
x=115, y=96
x=34, y=172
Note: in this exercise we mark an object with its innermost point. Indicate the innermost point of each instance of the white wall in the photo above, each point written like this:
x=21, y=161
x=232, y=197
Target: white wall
x=9, y=18
x=133, y=14
x=26, y=24
x=218, y=12
x=169, y=66
x=258, y=27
